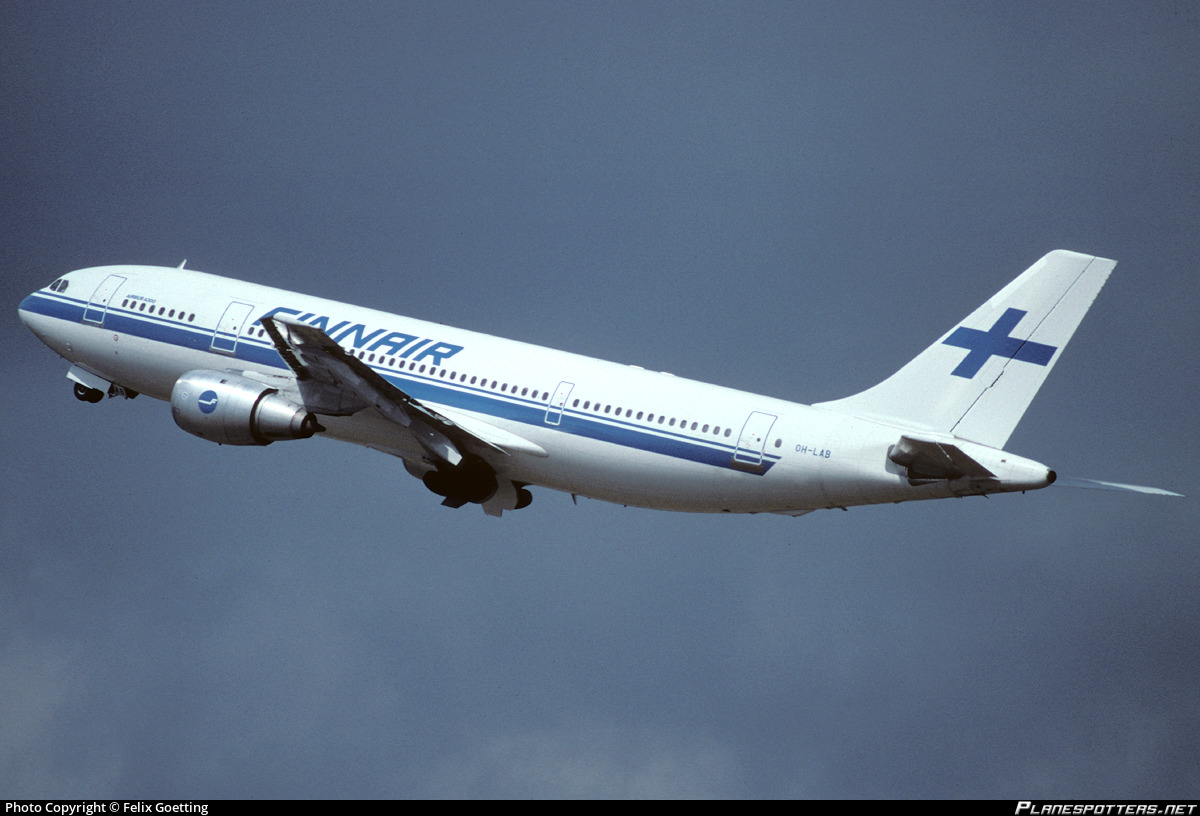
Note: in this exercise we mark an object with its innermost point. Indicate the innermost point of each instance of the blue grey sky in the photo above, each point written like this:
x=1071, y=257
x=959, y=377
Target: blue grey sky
x=789, y=198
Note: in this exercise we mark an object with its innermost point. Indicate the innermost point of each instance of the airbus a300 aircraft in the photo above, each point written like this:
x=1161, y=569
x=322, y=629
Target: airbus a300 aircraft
x=481, y=419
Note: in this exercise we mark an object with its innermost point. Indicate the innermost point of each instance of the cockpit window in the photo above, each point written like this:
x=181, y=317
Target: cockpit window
x=59, y=285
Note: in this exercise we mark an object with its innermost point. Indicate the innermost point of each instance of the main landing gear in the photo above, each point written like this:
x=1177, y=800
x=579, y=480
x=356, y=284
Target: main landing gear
x=85, y=393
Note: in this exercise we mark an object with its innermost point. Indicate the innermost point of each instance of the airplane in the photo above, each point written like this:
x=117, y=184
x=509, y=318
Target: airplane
x=481, y=419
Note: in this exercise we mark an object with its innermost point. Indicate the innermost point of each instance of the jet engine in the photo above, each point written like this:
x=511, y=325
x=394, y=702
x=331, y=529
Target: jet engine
x=233, y=410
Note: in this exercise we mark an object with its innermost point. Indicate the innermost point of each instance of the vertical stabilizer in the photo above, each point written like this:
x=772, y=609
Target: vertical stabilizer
x=977, y=380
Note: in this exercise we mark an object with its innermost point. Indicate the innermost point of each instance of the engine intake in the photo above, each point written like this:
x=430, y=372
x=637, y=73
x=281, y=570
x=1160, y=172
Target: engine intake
x=233, y=410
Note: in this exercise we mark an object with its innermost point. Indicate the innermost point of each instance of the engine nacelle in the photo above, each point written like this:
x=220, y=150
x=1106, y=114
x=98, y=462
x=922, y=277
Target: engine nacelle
x=233, y=410
x=471, y=480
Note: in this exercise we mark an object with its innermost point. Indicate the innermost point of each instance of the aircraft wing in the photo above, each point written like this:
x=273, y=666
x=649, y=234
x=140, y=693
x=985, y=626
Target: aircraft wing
x=333, y=381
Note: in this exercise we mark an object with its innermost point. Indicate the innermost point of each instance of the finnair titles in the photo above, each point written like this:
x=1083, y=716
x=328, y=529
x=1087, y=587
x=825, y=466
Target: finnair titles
x=482, y=420
x=399, y=344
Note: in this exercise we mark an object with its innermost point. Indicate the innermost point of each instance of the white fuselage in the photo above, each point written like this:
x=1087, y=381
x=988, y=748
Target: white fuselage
x=610, y=431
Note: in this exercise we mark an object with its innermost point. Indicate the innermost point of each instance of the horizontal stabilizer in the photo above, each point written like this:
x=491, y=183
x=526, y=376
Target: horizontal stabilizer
x=1095, y=484
x=935, y=460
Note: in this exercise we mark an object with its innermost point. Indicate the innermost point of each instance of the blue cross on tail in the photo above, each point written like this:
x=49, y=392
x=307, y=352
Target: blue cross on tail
x=996, y=341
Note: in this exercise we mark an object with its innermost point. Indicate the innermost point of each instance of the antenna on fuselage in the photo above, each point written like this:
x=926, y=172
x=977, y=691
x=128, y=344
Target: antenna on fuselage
x=182, y=264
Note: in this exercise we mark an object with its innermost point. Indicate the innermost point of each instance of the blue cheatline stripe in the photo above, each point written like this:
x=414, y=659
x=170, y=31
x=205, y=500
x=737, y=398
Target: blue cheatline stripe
x=60, y=306
x=427, y=389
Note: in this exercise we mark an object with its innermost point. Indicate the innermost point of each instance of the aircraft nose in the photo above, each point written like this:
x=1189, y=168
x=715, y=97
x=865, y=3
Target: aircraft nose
x=29, y=312
x=25, y=309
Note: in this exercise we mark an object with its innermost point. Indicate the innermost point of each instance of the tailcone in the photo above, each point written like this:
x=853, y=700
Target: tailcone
x=1013, y=473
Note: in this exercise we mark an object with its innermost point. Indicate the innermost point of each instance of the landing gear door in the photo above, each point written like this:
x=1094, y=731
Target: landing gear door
x=230, y=327
x=98, y=306
x=752, y=442
x=558, y=403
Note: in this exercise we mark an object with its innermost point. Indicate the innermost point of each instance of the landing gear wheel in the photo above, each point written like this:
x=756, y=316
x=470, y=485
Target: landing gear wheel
x=85, y=394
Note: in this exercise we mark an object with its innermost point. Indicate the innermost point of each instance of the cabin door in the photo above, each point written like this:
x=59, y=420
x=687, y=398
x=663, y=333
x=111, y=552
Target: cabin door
x=558, y=403
x=98, y=306
x=228, y=329
x=753, y=441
